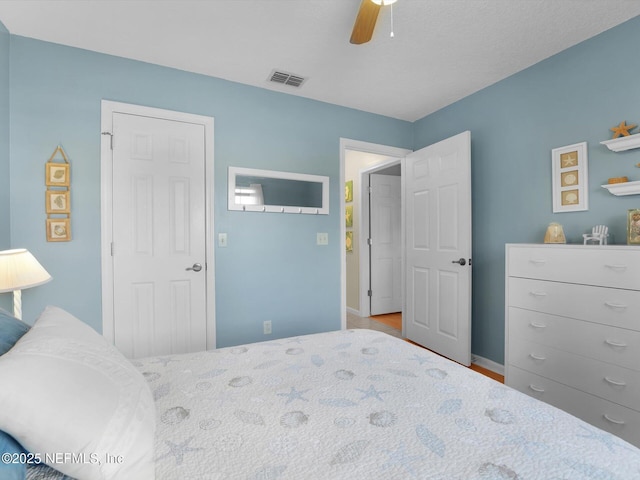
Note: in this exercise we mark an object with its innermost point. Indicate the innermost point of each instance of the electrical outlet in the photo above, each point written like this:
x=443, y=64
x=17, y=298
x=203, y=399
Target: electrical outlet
x=266, y=327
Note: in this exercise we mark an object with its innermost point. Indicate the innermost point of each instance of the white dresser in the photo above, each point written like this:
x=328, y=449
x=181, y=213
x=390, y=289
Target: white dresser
x=572, y=330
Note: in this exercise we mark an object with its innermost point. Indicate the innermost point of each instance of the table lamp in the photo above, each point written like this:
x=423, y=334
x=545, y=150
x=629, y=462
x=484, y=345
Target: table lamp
x=19, y=270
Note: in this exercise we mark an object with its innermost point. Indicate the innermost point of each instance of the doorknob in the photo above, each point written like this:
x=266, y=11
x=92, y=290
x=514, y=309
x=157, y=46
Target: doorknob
x=196, y=267
x=462, y=261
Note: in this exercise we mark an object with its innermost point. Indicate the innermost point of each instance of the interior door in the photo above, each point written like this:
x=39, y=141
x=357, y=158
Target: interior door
x=438, y=247
x=385, y=245
x=158, y=249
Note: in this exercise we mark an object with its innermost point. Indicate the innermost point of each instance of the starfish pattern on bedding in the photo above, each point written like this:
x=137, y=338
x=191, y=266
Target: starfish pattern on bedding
x=294, y=394
x=372, y=393
x=178, y=450
x=608, y=440
x=420, y=359
x=163, y=360
x=401, y=458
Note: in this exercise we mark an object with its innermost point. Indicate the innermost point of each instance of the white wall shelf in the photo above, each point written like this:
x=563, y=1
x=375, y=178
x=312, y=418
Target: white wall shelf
x=626, y=188
x=623, y=143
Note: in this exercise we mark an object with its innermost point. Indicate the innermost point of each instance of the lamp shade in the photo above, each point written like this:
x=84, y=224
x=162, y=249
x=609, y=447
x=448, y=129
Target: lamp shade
x=19, y=269
x=384, y=2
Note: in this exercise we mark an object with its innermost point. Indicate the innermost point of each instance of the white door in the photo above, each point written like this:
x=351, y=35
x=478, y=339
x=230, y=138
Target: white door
x=386, y=245
x=438, y=247
x=158, y=251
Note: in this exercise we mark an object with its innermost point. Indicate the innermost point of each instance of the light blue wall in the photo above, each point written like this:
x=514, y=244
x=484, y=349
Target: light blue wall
x=272, y=268
x=5, y=41
x=572, y=97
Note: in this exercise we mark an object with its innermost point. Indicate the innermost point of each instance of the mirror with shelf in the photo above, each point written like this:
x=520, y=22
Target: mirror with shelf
x=254, y=190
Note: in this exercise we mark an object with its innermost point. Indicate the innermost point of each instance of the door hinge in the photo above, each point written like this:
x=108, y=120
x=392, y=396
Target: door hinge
x=370, y=293
x=369, y=241
x=112, y=249
x=110, y=139
x=370, y=189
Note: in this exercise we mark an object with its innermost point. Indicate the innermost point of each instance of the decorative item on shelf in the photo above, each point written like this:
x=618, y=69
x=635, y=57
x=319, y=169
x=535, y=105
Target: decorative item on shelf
x=638, y=165
x=19, y=269
x=58, y=197
x=613, y=180
x=622, y=129
x=633, y=226
x=599, y=235
x=555, y=234
x=570, y=180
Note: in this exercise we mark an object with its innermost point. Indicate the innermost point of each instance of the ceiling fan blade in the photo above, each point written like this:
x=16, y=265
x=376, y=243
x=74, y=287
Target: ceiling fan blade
x=365, y=22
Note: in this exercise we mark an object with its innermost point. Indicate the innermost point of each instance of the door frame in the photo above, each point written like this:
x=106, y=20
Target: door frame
x=375, y=148
x=365, y=226
x=108, y=108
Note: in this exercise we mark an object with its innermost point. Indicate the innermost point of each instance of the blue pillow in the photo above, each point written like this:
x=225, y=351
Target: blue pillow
x=11, y=329
x=10, y=470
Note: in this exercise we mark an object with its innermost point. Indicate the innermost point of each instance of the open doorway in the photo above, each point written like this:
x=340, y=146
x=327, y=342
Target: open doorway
x=358, y=161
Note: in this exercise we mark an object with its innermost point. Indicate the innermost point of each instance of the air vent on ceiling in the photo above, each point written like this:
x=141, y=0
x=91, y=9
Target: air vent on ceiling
x=286, y=78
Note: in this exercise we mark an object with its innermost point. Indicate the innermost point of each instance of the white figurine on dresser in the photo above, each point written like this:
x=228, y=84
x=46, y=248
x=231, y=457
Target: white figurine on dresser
x=572, y=330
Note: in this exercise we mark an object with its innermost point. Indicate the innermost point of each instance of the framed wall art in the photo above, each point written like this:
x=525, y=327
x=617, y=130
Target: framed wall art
x=58, y=197
x=348, y=191
x=58, y=230
x=57, y=174
x=633, y=226
x=348, y=216
x=58, y=201
x=570, y=179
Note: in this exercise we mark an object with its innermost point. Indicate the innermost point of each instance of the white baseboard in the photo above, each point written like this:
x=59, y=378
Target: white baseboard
x=353, y=311
x=488, y=364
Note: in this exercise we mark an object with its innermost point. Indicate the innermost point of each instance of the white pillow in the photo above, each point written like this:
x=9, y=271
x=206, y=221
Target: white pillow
x=72, y=398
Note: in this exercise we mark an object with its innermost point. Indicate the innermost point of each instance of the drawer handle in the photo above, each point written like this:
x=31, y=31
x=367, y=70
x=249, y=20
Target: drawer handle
x=538, y=325
x=616, y=306
x=537, y=261
x=615, y=344
x=616, y=267
x=536, y=389
x=537, y=357
x=613, y=420
x=538, y=294
x=617, y=383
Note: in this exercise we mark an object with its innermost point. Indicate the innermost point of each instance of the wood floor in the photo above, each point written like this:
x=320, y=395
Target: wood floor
x=392, y=325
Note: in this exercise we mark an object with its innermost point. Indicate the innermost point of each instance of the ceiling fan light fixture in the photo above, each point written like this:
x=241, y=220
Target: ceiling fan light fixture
x=384, y=3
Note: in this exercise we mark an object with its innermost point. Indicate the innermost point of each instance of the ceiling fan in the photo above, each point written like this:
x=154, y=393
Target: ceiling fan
x=366, y=20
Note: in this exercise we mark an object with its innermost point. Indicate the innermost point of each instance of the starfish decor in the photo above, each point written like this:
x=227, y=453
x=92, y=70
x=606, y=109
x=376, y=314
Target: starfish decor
x=622, y=129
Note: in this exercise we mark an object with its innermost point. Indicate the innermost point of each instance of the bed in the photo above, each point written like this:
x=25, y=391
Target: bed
x=354, y=404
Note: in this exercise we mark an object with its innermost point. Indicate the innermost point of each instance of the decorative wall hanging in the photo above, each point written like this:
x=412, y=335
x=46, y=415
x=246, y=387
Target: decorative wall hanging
x=348, y=191
x=569, y=176
x=633, y=226
x=348, y=216
x=58, y=197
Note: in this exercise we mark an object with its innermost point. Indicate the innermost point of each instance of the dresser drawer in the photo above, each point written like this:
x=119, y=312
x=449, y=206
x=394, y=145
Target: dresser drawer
x=600, y=342
x=616, y=419
x=617, y=267
x=610, y=382
x=609, y=306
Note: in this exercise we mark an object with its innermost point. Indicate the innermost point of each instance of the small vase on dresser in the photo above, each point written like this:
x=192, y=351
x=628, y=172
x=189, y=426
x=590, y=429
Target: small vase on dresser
x=572, y=332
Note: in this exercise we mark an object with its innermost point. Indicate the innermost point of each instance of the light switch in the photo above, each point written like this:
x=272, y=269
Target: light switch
x=322, y=239
x=222, y=239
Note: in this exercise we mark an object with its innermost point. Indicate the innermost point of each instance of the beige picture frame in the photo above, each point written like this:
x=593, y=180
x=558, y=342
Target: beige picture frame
x=633, y=226
x=58, y=230
x=57, y=174
x=58, y=201
x=570, y=179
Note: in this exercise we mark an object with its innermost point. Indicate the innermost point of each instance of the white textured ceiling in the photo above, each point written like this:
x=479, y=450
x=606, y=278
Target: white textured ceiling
x=443, y=50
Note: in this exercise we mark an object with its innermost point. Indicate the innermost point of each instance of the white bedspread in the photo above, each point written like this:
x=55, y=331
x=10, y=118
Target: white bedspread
x=360, y=404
